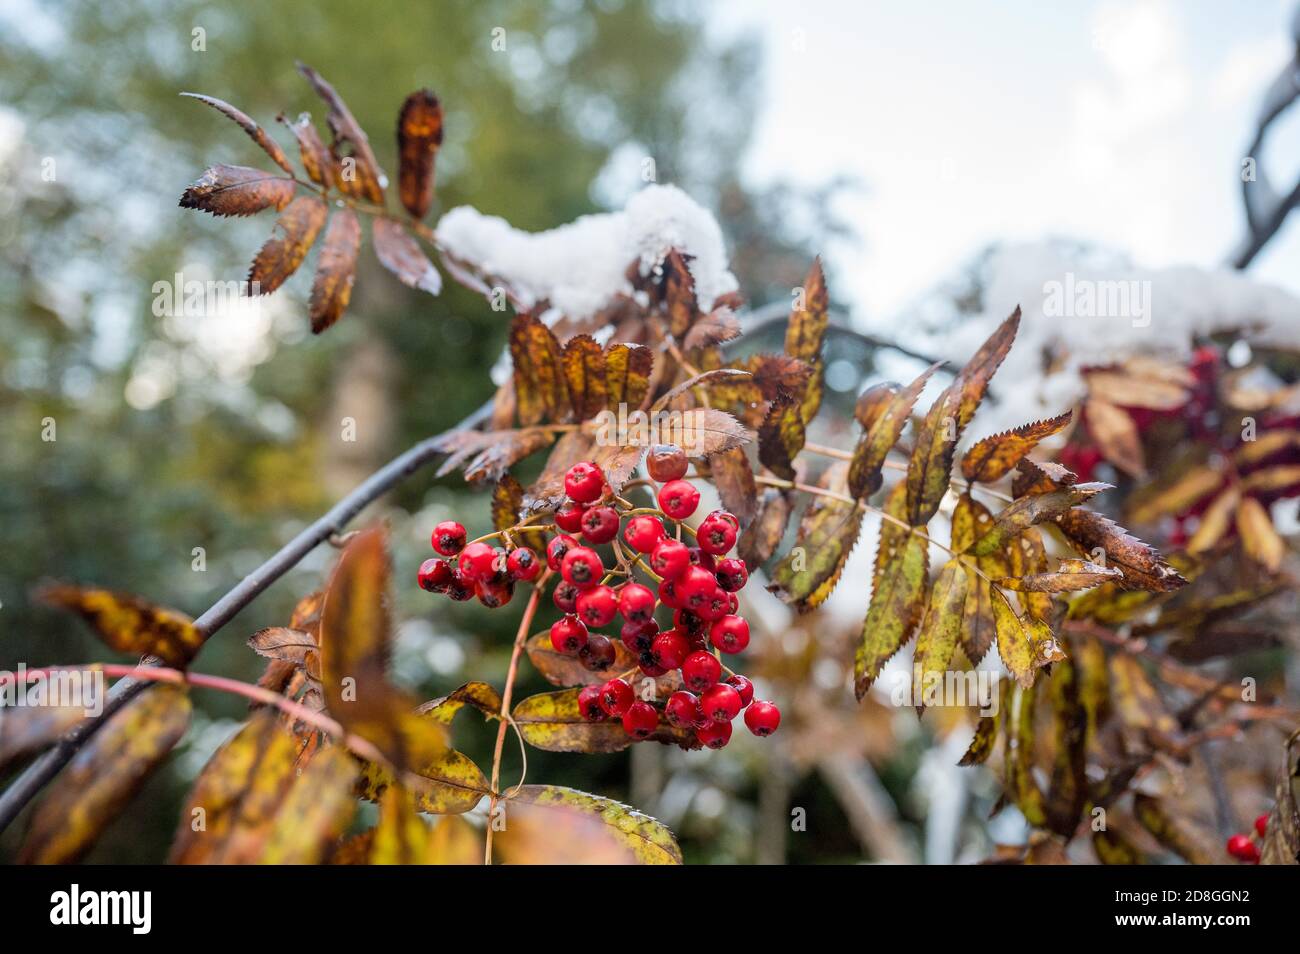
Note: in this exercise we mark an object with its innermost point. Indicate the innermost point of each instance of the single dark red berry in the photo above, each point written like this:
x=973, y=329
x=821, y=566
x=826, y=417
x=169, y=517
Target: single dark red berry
x=597, y=606
x=569, y=517
x=733, y=604
x=434, y=576
x=643, y=533
x=717, y=605
x=589, y=704
x=598, y=655
x=669, y=649
x=448, y=538
x=640, y=720
x=638, y=636
x=732, y=574
x=695, y=587
x=720, y=702
x=1261, y=825
x=668, y=594
x=730, y=634
x=742, y=686
x=666, y=462
x=568, y=635
x=495, y=593
x=636, y=603
x=726, y=516
x=461, y=587
x=762, y=718
x=670, y=559
x=714, y=735
x=716, y=535
x=523, y=564
x=478, y=561
x=646, y=661
x=581, y=566
x=600, y=524
x=690, y=623
x=700, y=558
x=565, y=597
x=584, y=482
x=678, y=499
x=683, y=709
x=700, y=670
x=558, y=547
x=1242, y=848
x=615, y=697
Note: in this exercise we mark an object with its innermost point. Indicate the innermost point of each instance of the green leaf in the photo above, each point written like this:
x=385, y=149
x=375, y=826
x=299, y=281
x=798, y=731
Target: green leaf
x=888, y=418
x=1024, y=513
x=940, y=629
x=548, y=824
x=827, y=534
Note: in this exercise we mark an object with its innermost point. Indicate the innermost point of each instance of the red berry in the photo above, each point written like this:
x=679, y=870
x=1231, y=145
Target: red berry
x=695, y=587
x=584, y=482
x=730, y=634
x=581, y=566
x=670, y=559
x=678, y=499
x=434, y=576
x=666, y=462
x=700, y=558
x=616, y=696
x=643, y=533
x=597, y=606
x=668, y=594
x=640, y=720
x=717, y=605
x=733, y=604
x=598, y=655
x=762, y=718
x=742, y=686
x=478, y=561
x=461, y=587
x=568, y=635
x=599, y=524
x=732, y=574
x=448, y=538
x=716, y=535
x=569, y=517
x=700, y=670
x=523, y=564
x=565, y=597
x=715, y=735
x=589, y=704
x=495, y=593
x=669, y=649
x=690, y=623
x=1242, y=848
x=649, y=667
x=720, y=702
x=1261, y=825
x=636, y=603
x=683, y=709
x=557, y=548
x=638, y=636
x=726, y=516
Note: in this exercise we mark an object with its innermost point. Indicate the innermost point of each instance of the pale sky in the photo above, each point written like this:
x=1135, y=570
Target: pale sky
x=1123, y=123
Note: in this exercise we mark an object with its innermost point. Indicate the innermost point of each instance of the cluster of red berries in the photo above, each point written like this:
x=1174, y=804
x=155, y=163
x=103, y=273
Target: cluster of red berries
x=1243, y=847
x=698, y=584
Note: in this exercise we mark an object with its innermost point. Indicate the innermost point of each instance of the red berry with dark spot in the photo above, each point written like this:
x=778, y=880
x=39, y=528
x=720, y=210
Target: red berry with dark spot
x=565, y=597
x=716, y=535
x=568, y=635
x=683, y=709
x=495, y=593
x=670, y=559
x=649, y=667
x=669, y=649
x=569, y=517
x=435, y=575
x=678, y=499
x=700, y=670
x=1261, y=825
x=668, y=594
x=638, y=636
x=1242, y=848
x=714, y=735
x=584, y=482
x=742, y=686
x=523, y=564
x=762, y=718
x=690, y=623
x=695, y=587
x=600, y=524
x=589, y=704
x=666, y=462
x=616, y=696
x=643, y=533
x=730, y=634
x=733, y=604
x=640, y=720
x=636, y=603
x=557, y=548
x=581, y=566
x=597, y=606
x=720, y=702
x=598, y=655
x=461, y=587
x=478, y=561
x=717, y=606
x=700, y=558
x=732, y=574
x=448, y=538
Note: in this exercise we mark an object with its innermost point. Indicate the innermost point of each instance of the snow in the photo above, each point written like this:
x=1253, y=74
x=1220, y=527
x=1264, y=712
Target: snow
x=580, y=267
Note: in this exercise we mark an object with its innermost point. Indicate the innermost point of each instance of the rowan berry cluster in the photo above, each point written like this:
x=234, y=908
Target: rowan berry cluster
x=686, y=623
x=1243, y=847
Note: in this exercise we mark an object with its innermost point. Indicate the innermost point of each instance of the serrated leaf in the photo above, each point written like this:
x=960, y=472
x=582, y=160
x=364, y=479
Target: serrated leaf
x=315, y=158
x=936, y=640
x=1040, y=476
x=583, y=362
x=1259, y=539
x=627, y=374
x=540, y=392
x=1014, y=648
x=362, y=178
x=678, y=290
x=734, y=480
x=986, y=730
x=486, y=456
x=873, y=402
x=562, y=670
x=705, y=431
x=399, y=252
x=336, y=269
x=295, y=233
x=237, y=191
x=1020, y=515
x=1070, y=575
x=128, y=624
x=764, y=534
x=419, y=134
x=250, y=126
x=548, y=824
x=315, y=811
x=993, y=457
x=879, y=438
x=978, y=629
x=717, y=327
x=283, y=642
x=897, y=599
x=87, y=795
x=827, y=534
x=1140, y=564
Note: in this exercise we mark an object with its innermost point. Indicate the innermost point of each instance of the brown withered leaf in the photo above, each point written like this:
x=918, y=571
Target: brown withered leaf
x=705, y=380
x=1025, y=555
x=487, y=455
x=27, y=728
x=477, y=695
x=127, y=623
x=734, y=479
x=1039, y=477
x=889, y=417
x=929, y=471
x=1116, y=435
x=705, y=431
x=1281, y=843
x=779, y=378
x=1282, y=481
x=717, y=327
x=540, y=392
x=237, y=191
x=986, y=730
x=1215, y=521
x=547, y=492
x=1093, y=535
x=1142, y=382
x=282, y=642
x=993, y=457
x=419, y=134
x=548, y=824
x=316, y=160
x=106, y=773
x=1021, y=514
x=678, y=291
x=295, y=233
x=568, y=671
x=250, y=126
x=1259, y=539
x=1135, y=697
x=1178, y=487
x=362, y=178
x=398, y=252
x=1173, y=831
x=507, y=510
x=761, y=538
x=1070, y=575
x=827, y=534
x=315, y=811
x=780, y=438
x=978, y=628
x=336, y=269
x=583, y=363
x=627, y=374
x=874, y=401
x=1067, y=791
x=936, y=640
